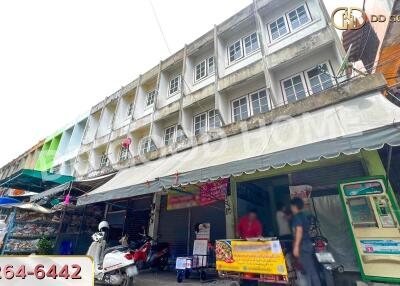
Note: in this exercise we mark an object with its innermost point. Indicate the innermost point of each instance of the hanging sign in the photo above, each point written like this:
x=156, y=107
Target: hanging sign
x=194, y=196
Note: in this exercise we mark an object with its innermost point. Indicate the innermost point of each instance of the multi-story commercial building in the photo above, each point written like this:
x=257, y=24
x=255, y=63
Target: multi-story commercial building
x=261, y=58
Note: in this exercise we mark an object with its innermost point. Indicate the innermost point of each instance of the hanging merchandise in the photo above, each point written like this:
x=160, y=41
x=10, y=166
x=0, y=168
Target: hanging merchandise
x=126, y=142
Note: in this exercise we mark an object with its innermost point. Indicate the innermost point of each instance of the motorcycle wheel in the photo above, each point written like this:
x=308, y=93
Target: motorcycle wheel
x=127, y=281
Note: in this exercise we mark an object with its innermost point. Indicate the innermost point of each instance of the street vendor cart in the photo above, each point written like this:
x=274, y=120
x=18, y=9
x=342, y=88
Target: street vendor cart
x=261, y=260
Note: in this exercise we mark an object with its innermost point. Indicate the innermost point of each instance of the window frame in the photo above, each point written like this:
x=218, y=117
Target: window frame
x=301, y=74
x=131, y=107
x=216, y=114
x=147, y=106
x=288, y=31
x=295, y=9
x=242, y=48
x=244, y=45
x=241, y=51
x=309, y=86
x=251, y=101
x=122, y=155
x=141, y=145
x=248, y=107
x=175, y=128
x=207, y=74
x=206, y=122
x=179, y=77
x=104, y=161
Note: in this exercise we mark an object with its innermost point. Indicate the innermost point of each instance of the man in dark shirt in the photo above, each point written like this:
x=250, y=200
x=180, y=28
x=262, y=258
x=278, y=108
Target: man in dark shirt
x=302, y=246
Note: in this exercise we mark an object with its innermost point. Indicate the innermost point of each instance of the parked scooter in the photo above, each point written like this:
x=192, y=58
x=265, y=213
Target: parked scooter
x=149, y=254
x=115, y=265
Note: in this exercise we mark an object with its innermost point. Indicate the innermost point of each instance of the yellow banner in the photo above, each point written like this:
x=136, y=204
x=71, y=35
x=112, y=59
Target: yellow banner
x=258, y=257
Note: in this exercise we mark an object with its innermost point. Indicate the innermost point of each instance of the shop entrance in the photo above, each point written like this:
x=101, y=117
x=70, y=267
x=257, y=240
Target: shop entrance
x=177, y=227
x=264, y=194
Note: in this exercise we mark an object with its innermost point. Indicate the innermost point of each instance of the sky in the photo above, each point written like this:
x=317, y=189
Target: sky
x=60, y=58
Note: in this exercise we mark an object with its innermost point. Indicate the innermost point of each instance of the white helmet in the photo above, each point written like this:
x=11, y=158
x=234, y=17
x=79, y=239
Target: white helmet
x=103, y=225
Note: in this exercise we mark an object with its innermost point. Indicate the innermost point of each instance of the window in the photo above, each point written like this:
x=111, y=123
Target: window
x=251, y=43
x=169, y=135
x=201, y=71
x=124, y=154
x=103, y=160
x=298, y=17
x=150, y=98
x=214, y=120
x=249, y=105
x=146, y=145
x=278, y=28
x=174, y=85
x=240, y=109
x=259, y=102
x=200, y=123
x=173, y=134
x=294, y=88
x=235, y=51
x=211, y=66
x=130, y=109
x=319, y=78
x=204, y=69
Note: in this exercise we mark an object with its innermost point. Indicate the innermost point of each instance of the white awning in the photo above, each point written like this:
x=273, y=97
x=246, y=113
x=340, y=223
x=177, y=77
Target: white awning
x=368, y=122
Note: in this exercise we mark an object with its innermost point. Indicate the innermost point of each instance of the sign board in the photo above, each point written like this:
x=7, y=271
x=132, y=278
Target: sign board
x=194, y=196
x=258, y=257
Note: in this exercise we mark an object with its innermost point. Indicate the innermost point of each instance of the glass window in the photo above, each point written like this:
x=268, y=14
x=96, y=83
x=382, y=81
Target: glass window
x=200, y=123
x=146, y=145
x=180, y=135
x=201, y=71
x=294, y=88
x=150, y=98
x=124, y=154
x=319, y=78
x=240, y=109
x=278, y=28
x=211, y=67
x=169, y=135
x=251, y=43
x=259, y=102
x=298, y=17
x=103, y=160
x=214, y=120
x=235, y=51
x=174, y=85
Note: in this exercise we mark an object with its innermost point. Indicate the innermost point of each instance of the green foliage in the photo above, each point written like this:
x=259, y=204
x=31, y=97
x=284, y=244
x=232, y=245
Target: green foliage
x=45, y=247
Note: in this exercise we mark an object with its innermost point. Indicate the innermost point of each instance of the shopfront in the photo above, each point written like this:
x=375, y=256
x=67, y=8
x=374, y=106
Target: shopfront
x=183, y=209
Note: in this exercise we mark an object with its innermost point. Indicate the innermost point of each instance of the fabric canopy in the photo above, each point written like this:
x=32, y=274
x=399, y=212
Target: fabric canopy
x=33, y=180
x=82, y=186
x=368, y=122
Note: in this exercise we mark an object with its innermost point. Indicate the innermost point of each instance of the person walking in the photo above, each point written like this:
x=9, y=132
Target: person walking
x=302, y=246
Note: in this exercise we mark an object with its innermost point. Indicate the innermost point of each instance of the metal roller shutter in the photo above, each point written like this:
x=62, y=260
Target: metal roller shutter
x=137, y=216
x=177, y=226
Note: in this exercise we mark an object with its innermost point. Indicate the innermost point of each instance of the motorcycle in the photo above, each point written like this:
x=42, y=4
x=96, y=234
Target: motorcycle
x=115, y=265
x=149, y=254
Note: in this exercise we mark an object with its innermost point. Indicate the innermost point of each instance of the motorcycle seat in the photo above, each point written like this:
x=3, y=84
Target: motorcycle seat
x=118, y=247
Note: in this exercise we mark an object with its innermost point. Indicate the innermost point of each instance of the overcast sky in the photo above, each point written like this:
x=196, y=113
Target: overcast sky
x=59, y=58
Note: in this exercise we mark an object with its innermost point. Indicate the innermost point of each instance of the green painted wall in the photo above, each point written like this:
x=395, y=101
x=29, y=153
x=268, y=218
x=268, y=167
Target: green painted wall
x=49, y=150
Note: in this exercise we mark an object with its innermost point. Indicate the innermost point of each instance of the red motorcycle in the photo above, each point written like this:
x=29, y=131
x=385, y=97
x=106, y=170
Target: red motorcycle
x=149, y=254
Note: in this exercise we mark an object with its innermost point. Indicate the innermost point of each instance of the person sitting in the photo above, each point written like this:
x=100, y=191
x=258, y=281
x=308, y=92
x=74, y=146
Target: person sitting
x=249, y=226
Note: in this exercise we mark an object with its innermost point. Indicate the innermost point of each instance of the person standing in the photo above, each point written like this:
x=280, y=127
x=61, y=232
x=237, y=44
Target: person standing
x=249, y=226
x=302, y=246
x=282, y=219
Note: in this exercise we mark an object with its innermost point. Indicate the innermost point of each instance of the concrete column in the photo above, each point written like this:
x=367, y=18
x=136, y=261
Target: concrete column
x=155, y=106
x=231, y=210
x=375, y=167
x=155, y=216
